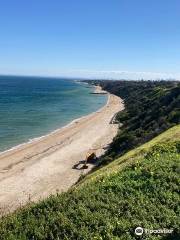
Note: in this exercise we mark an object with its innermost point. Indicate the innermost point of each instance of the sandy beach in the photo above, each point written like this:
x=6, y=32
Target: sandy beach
x=52, y=163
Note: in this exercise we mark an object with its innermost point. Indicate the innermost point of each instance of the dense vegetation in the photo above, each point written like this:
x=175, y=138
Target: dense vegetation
x=140, y=188
x=151, y=107
x=111, y=202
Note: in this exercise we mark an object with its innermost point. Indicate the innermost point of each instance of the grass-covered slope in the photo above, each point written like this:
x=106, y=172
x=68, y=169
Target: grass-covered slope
x=151, y=107
x=140, y=188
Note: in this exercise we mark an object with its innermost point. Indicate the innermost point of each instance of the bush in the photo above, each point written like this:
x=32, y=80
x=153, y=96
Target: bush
x=151, y=107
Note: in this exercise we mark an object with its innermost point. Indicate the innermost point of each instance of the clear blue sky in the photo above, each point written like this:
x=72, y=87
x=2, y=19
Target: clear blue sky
x=90, y=37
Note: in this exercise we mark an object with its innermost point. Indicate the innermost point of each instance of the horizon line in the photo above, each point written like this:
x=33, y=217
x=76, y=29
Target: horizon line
x=94, y=77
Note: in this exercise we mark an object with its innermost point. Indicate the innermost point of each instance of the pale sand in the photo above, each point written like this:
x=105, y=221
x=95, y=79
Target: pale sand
x=35, y=170
x=99, y=90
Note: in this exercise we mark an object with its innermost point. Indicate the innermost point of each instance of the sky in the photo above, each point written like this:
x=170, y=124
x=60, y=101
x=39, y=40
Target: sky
x=115, y=39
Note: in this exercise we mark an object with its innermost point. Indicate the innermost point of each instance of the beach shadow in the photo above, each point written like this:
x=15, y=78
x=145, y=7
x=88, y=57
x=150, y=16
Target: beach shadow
x=106, y=147
x=81, y=164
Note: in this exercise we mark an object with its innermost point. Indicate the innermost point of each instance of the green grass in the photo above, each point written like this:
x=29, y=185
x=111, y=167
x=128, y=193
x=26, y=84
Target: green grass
x=172, y=134
x=140, y=188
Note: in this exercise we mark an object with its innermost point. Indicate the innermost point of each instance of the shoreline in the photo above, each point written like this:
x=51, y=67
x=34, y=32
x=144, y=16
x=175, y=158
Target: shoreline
x=97, y=90
x=45, y=165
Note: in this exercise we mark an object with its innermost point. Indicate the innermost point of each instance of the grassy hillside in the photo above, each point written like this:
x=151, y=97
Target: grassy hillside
x=151, y=107
x=140, y=188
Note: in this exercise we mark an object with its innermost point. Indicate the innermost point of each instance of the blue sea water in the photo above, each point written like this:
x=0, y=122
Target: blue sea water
x=31, y=107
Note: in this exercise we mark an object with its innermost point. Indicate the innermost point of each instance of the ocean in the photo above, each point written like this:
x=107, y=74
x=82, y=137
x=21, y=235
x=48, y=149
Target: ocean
x=31, y=107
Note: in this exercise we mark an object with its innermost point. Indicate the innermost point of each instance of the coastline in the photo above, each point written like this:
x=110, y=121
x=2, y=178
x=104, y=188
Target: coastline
x=97, y=90
x=43, y=166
